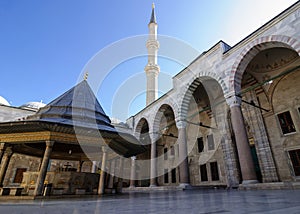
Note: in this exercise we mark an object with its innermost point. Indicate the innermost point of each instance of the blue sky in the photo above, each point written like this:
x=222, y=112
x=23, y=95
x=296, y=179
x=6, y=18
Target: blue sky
x=45, y=45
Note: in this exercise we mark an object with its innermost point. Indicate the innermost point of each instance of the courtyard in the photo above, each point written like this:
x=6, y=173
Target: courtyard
x=191, y=201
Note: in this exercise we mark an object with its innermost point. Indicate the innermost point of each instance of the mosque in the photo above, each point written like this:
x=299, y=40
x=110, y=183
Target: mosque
x=231, y=120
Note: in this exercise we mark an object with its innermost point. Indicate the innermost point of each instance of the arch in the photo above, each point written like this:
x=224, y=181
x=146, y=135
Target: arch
x=159, y=114
x=253, y=48
x=139, y=127
x=194, y=83
x=274, y=90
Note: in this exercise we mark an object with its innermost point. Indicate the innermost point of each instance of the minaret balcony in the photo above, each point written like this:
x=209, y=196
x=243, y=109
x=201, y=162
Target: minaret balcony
x=152, y=44
x=152, y=68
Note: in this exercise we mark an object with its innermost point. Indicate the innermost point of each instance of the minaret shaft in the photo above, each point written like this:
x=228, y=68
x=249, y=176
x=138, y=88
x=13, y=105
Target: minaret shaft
x=152, y=68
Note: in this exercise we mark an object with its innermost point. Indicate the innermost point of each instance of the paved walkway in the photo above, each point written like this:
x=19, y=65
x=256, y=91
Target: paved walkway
x=192, y=201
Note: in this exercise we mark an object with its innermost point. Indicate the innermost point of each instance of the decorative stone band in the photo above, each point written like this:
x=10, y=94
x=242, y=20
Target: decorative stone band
x=233, y=100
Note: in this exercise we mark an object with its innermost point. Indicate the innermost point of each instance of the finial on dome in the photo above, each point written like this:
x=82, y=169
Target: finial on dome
x=153, y=5
x=86, y=75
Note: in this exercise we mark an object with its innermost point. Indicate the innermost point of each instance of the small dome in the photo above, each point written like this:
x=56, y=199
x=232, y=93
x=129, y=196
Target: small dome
x=4, y=101
x=33, y=105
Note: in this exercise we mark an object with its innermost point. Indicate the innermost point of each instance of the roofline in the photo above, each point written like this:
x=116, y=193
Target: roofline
x=241, y=41
x=226, y=51
x=19, y=108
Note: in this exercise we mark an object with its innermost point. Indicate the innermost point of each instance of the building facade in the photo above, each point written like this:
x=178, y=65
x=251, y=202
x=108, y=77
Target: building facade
x=232, y=116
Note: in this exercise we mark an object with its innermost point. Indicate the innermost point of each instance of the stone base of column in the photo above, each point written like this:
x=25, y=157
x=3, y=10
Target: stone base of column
x=152, y=185
x=245, y=182
x=131, y=187
x=185, y=186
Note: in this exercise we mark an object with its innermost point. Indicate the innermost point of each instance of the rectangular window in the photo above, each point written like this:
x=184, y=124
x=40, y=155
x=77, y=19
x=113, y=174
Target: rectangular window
x=214, y=171
x=173, y=172
x=19, y=175
x=166, y=177
x=295, y=158
x=203, y=172
x=172, y=150
x=165, y=154
x=286, y=122
x=200, y=144
x=210, y=142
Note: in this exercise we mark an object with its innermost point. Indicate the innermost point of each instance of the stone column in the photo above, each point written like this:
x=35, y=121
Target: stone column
x=79, y=168
x=4, y=164
x=153, y=167
x=132, y=173
x=112, y=173
x=184, y=178
x=101, y=187
x=241, y=138
x=262, y=144
x=43, y=169
x=94, y=166
x=120, y=176
x=2, y=149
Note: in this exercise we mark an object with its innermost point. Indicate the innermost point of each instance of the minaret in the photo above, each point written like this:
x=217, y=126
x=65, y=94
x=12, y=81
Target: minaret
x=152, y=69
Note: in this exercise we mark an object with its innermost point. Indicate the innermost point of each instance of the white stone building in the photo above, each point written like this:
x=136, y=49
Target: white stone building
x=232, y=116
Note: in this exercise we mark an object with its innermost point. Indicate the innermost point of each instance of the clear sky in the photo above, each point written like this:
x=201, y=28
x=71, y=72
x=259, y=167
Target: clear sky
x=44, y=45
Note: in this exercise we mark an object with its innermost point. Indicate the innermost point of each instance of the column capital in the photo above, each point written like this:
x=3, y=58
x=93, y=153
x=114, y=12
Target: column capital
x=154, y=136
x=2, y=146
x=180, y=123
x=133, y=158
x=8, y=151
x=104, y=149
x=49, y=143
x=233, y=100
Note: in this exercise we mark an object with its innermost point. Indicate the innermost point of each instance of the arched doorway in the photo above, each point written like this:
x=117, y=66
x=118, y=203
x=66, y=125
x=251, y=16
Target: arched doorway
x=272, y=62
x=211, y=156
x=167, y=147
x=143, y=160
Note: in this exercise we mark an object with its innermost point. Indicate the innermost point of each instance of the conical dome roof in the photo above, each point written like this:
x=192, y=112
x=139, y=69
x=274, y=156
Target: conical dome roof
x=78, y=106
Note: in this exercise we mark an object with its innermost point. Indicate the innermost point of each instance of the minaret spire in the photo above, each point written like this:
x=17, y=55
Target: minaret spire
x=152, y=68
x=153, y=17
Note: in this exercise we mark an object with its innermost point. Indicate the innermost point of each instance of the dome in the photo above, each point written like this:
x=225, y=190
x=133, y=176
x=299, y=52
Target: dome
x=4, y=101
x=33, y=105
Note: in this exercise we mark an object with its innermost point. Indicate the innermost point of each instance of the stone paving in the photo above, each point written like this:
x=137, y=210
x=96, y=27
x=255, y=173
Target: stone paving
x=192, y=201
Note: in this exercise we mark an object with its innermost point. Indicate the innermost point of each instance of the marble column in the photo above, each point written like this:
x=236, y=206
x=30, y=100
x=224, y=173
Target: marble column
x=120, y=175
x=153, y=163
x=112, y=173
x=184, y=178
x=94, y=166
x=43, y=169
x=2, y=149
x=79, y=168
x=133, y=172
x=101, y=187
x=241, y=138
x=4, y=164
